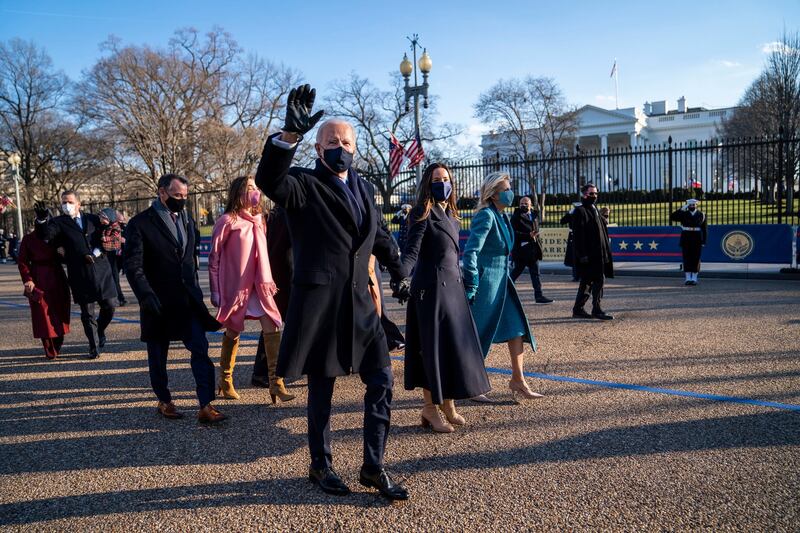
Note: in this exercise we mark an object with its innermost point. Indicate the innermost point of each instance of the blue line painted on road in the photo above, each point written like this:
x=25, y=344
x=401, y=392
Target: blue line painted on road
x=566, y=379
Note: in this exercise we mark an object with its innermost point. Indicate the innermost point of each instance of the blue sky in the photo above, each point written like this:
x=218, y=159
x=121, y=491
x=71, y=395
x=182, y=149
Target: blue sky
x=708, y=51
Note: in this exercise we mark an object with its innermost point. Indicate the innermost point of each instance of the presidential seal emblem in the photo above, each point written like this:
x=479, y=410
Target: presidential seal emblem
x=737, y=244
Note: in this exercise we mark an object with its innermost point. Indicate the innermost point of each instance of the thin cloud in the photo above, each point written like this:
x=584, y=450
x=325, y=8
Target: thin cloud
x=730, y=64
x=603, y=98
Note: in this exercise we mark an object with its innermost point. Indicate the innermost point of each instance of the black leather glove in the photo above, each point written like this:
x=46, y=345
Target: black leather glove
x=41, y=210
x=401, y=289
x=298, y=109
x=583, y=260
x=151, y=304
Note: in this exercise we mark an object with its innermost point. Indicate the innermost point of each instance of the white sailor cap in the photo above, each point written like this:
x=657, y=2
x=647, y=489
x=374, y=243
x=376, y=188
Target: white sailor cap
x=692, y=201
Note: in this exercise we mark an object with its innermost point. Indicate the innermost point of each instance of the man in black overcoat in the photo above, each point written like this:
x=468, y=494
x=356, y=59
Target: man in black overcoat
x=88, y=270
x=526, y=251
x=694, y=233
x=161, y=266
x=332, y=328
x=592, y=253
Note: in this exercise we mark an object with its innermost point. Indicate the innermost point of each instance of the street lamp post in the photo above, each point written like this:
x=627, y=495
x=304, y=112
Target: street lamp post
x=415, y=91
x=14, y=161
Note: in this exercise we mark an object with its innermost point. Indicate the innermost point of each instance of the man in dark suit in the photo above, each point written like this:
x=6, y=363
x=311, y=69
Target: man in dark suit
x=161, y=266
x=88, y=269
x=332, y=328
x=592, y=255
x=526, y=251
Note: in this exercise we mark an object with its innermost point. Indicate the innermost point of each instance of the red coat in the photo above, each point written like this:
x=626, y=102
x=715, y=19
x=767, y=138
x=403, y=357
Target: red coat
x=39, y=262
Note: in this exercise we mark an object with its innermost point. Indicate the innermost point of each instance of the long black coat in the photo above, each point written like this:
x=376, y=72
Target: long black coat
x=526, y=249
x=332, y=328
x=590, y=239
x=89, y=282
x=156, y=264
x=443, y=351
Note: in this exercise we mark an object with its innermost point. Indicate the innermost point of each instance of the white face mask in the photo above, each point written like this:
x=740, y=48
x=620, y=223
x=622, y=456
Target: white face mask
x=68, y=209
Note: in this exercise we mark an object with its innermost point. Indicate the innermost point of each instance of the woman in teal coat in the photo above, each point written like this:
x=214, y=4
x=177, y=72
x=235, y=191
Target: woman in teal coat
x=495, y=304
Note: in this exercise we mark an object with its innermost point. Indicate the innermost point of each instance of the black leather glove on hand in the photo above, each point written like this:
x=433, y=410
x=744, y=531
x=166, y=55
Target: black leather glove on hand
x=401, y=289
x=298, y=109
x=584, y=260
x=151, y=304
x=41, y=210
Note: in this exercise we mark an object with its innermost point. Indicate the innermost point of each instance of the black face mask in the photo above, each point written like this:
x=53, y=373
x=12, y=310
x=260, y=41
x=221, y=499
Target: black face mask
x=524, y=208
x=337, y=159
x=175, y=204
x=590, y=200
x=692, y=208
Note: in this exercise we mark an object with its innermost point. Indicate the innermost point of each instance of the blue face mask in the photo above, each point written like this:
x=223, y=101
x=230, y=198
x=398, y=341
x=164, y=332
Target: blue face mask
x=506, y=197
x=441, y=190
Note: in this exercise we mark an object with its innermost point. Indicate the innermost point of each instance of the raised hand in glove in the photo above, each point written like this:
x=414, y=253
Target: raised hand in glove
x=298, y=110
x=151, y=304
x=41, y=210
x=401, y=289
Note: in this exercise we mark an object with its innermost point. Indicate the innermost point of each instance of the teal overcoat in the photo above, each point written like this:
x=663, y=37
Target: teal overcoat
x=497, y=309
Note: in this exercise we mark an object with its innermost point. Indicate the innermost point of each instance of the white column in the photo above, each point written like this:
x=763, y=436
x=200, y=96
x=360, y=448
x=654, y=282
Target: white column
x=604, y=161
x=634, y=166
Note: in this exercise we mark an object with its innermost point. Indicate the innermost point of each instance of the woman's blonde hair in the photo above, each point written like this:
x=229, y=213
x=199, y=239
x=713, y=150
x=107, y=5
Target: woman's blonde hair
x=491, y=185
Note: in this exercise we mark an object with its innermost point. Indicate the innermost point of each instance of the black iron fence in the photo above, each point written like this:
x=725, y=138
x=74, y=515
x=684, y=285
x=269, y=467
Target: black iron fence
x=745, y=181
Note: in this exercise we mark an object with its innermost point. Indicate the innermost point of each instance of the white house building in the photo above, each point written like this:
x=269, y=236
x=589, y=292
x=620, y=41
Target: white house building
x=604, y=131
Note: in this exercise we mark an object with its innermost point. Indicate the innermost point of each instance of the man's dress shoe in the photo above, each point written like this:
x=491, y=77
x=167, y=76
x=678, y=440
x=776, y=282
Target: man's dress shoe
x=329, y=481
x=384, y=483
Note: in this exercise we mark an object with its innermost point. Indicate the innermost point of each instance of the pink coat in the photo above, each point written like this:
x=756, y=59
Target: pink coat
x=238, y=263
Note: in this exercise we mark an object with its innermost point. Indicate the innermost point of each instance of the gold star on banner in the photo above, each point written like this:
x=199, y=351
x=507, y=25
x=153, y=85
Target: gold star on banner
x=638, y=245
x=623, y=245
x=654, y=245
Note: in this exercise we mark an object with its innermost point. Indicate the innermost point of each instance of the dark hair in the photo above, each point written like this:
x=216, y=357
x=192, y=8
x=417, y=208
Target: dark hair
x=73, y=193
x=236, y=201
x=586, y=187
x=166, y=180
x=425, y=196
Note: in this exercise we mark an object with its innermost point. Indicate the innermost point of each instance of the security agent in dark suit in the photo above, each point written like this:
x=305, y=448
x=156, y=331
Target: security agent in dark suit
x=592, y=255
x=161, y=265
x=88, y=270
x=332, y=328
x=526, y=251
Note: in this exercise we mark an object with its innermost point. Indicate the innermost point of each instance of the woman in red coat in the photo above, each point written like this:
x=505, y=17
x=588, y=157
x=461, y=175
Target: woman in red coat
x=47, y=291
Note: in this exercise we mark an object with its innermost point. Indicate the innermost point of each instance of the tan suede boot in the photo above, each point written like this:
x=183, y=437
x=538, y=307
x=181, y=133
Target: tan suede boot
x=227, y=360
x=449, y=410
x=272, y=344
x=432, y=417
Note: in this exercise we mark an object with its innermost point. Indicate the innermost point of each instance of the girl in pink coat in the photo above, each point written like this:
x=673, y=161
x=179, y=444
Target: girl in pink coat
x=241, y=282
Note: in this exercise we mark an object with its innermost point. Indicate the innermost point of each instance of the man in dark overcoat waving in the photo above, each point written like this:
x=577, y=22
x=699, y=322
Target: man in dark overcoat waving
x=332, y=328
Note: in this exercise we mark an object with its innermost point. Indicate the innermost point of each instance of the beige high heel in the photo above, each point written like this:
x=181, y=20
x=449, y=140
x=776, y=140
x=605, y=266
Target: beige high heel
x=449, y=410
x=522, y=388
x=432, y=417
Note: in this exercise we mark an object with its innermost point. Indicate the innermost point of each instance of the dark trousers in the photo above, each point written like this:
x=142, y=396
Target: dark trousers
x=202, y=367
x=590, y=286
x=95, y=327
x=533, y=269
x=260, y=364
x=115, y=261
x=377, y=415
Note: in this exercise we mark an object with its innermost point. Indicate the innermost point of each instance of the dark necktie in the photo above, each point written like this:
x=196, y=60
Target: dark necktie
x=351, y=199
x=177, y=228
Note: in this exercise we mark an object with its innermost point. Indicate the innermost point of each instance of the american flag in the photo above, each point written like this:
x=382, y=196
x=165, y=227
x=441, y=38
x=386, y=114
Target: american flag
x=731, y=183
x=415, y=153
x=613, y=69
x=395, y=156
x=5, y=202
